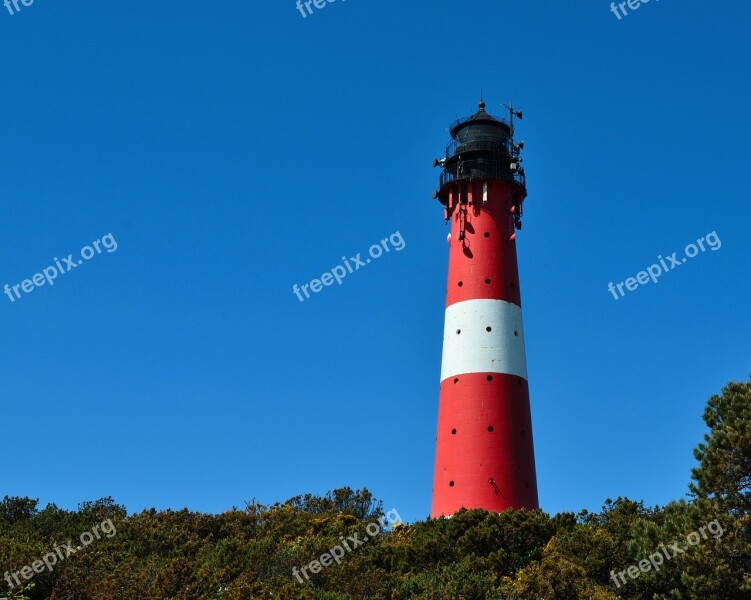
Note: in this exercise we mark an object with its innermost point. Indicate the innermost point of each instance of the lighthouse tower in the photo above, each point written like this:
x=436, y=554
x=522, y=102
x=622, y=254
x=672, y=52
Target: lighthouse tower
x=484, y=454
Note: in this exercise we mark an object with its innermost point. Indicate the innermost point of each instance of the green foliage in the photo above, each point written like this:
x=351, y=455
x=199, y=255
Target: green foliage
x=475, y=555
x=724, y=472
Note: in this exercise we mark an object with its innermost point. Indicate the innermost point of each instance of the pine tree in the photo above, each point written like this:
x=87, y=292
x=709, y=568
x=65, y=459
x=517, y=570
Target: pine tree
x=724, y=472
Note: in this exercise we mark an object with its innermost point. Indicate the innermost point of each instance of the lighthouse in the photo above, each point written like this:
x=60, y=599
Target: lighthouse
x=484, y=449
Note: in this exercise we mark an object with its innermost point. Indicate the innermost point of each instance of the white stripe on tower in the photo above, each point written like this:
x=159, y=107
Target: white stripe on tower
x=468, y=346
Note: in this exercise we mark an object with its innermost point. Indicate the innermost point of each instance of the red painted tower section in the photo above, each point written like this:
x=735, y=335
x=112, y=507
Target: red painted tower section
x=484, y=452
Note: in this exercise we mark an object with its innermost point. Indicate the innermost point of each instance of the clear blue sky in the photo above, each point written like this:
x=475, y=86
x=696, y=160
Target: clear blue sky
x=234, y=149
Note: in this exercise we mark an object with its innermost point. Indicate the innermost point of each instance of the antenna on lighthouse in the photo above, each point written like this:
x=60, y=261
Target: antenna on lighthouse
x=513, y=113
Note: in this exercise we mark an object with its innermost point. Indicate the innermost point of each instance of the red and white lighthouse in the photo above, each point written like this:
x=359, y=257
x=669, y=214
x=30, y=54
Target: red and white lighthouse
x=484, y=454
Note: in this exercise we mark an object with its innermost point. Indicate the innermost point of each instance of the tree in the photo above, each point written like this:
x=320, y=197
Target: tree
x=724, y=472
